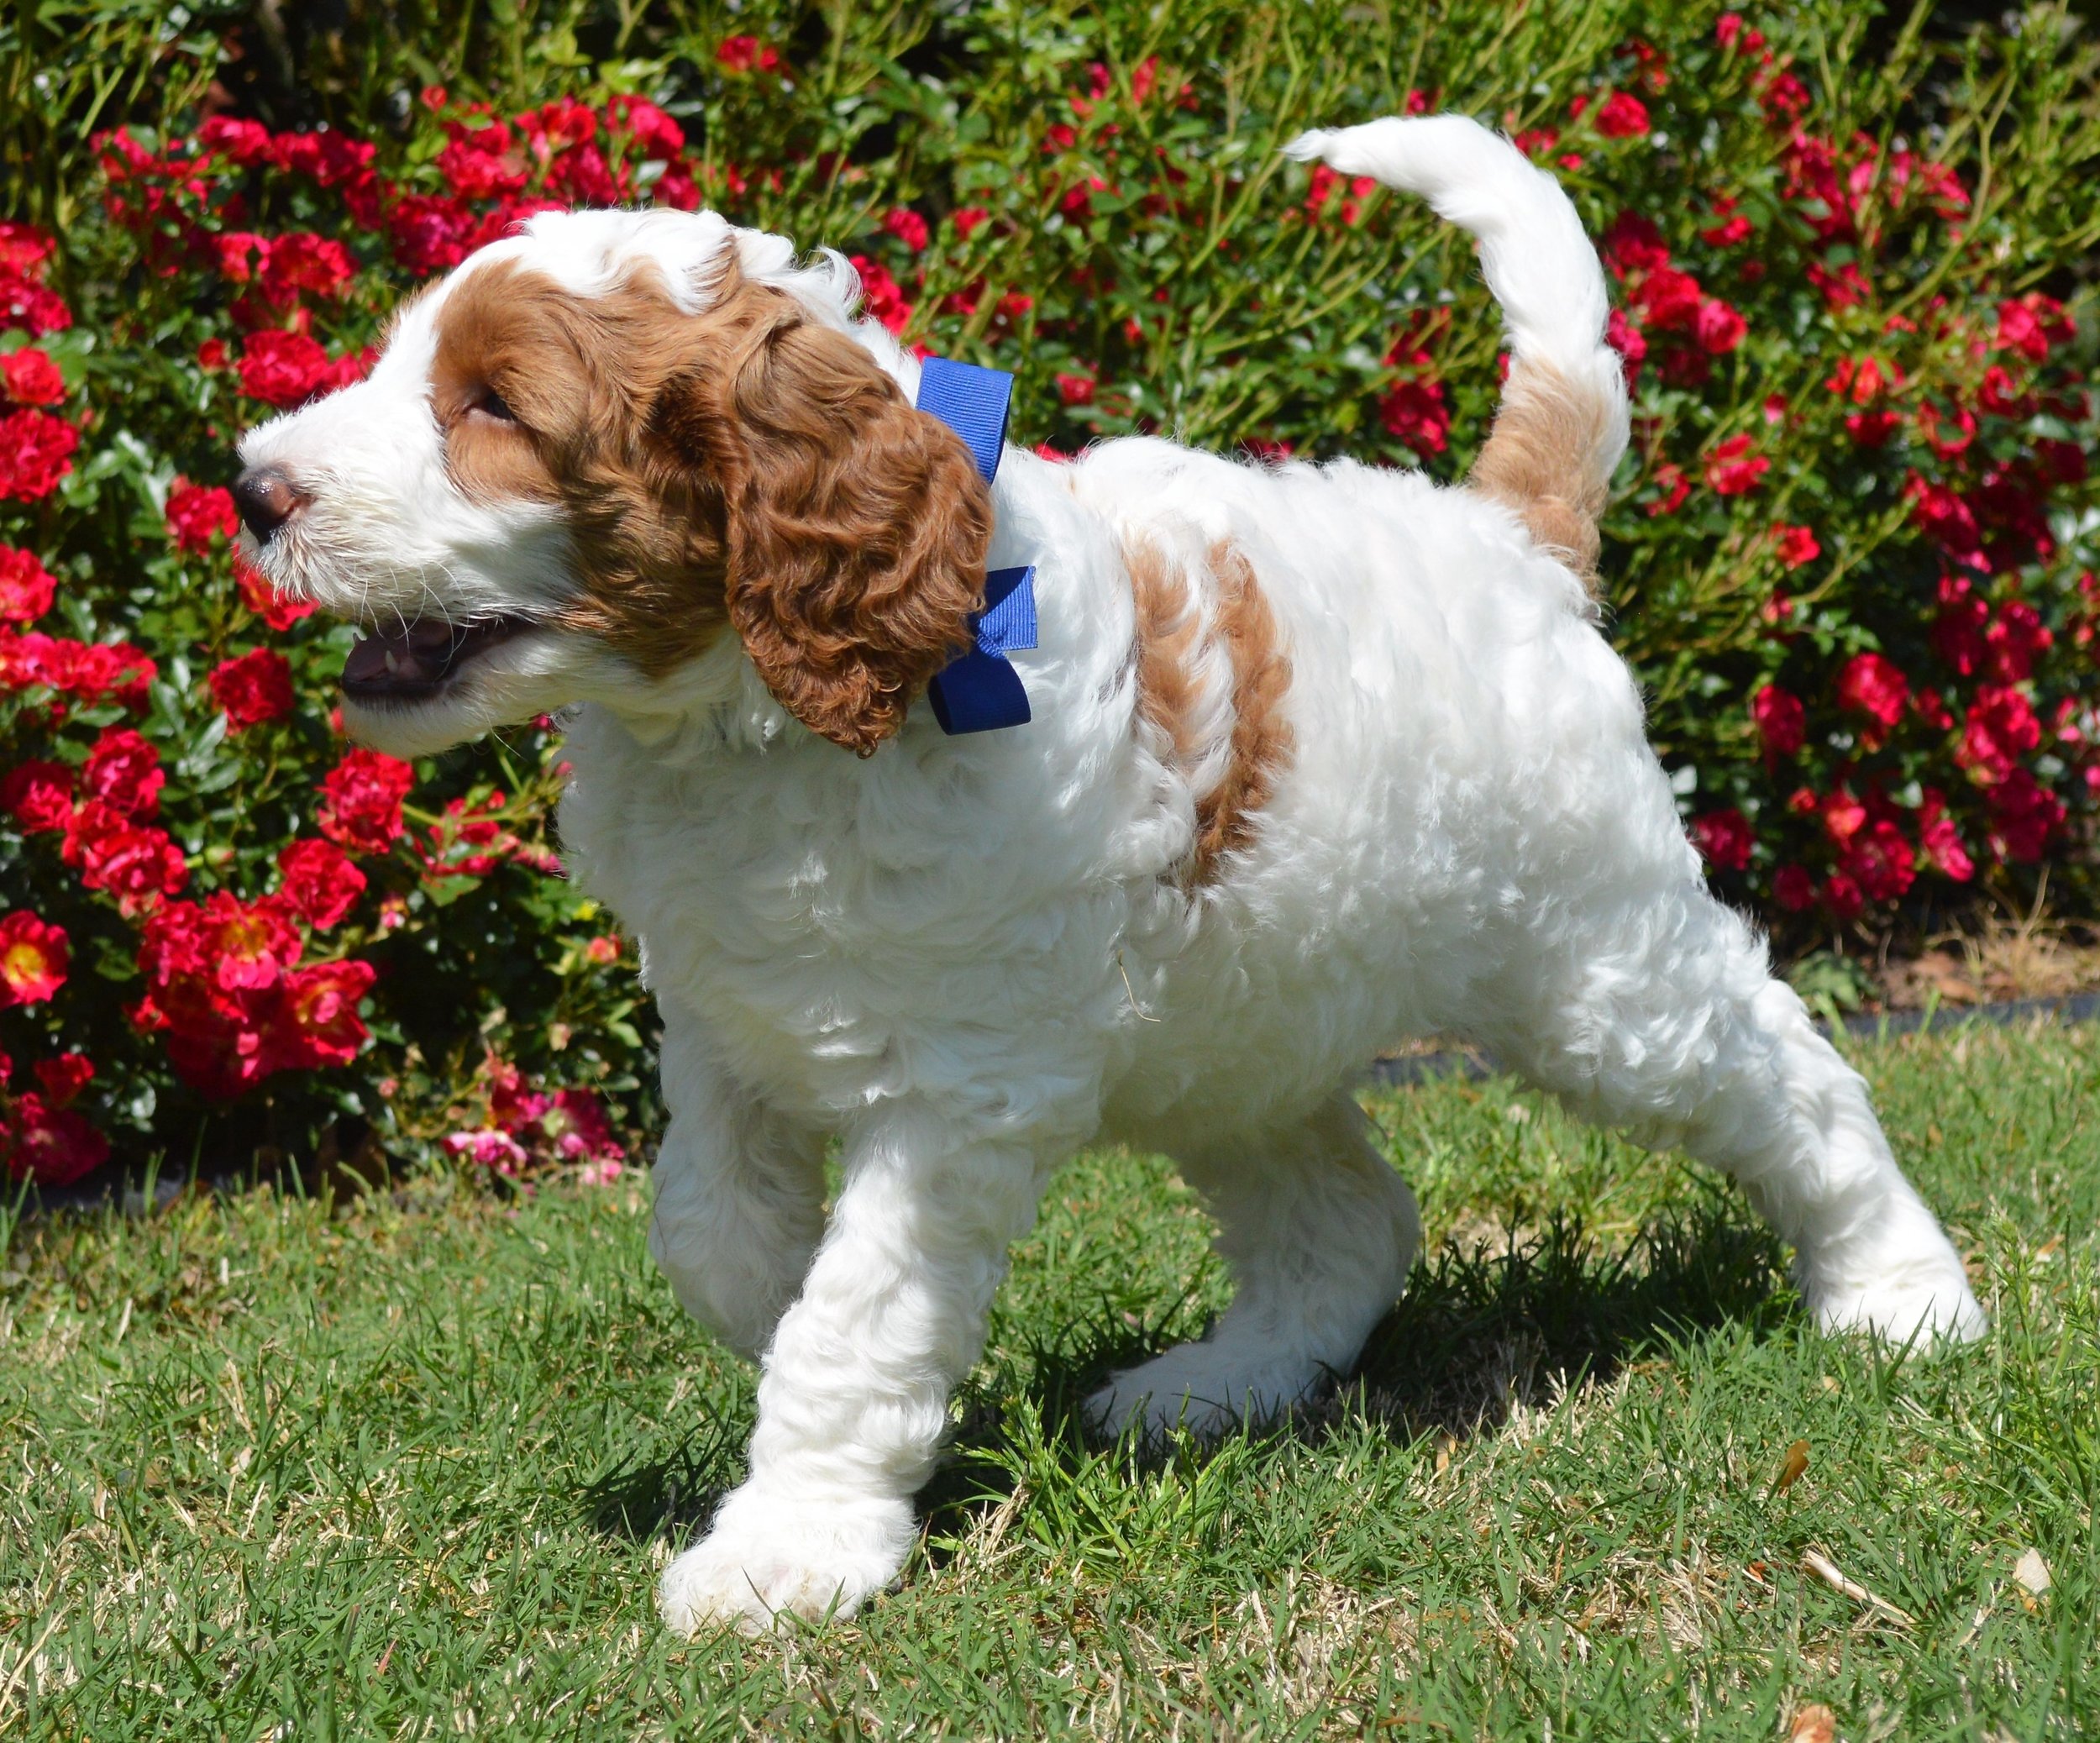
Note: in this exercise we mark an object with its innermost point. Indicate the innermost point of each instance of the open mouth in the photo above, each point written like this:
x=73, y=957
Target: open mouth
x=423, y=658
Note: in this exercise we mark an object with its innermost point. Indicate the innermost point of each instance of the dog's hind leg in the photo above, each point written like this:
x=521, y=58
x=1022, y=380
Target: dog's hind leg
x=1318, y=1233
x=739, y=1196
x=1656, y=1012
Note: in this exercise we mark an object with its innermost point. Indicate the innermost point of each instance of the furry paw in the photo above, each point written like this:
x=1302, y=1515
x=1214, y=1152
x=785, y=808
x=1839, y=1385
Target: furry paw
x=1937, y=1312
x=1205, y=1389
x=1910, y=1286
x=767, y=1556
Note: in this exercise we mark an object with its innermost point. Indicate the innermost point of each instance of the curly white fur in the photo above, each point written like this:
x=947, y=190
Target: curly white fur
x=965, y=957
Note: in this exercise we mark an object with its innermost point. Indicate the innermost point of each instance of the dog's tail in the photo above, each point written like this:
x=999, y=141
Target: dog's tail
x=1563, y=424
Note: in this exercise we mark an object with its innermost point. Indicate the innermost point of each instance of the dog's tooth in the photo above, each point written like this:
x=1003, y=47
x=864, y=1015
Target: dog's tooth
x=393, y=667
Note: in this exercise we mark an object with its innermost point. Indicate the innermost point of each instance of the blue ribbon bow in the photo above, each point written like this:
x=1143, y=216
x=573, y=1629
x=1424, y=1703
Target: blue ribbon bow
x=981, y=690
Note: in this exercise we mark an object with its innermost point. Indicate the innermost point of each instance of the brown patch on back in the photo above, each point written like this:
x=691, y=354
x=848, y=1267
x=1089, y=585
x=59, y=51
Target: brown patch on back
x=1167, y=632
x=1539, y=461
x=1175, y=638
x=745, y=467
x=1260, y=735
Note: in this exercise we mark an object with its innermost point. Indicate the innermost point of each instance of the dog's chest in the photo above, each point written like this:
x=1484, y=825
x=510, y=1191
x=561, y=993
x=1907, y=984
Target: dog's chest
x=833, y=925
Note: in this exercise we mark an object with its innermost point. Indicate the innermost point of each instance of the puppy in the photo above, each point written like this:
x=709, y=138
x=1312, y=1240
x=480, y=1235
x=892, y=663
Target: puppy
x=1316, y=759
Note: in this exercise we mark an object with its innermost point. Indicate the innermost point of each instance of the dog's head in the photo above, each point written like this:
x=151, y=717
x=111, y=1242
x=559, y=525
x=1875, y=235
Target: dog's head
x=593, y=452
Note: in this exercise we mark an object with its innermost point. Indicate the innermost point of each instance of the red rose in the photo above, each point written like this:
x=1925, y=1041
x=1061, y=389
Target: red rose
x=26, y=586
x=303, y=261
x=479, y=164
x=1415, y=411
x=235, y=251
x=582, y=176
x=1872, y=429
x=28, y=377
x=280, y=611
x=1670, y=299
x=64, y=1077
x=253, y=689
x=1957, y=635
x=1621, y=115
x=1943, y=518
x=1731, y=469
x=1880, y=861
x=1724, y=838
x=1781, y=721
x=2001, y=727
x=966, y=218
x=430, y=232
x=1843, y=816
x=2014, y=641
x=1793, y=888
x=2031, y=324
x=360, y=801
x=881, y=297
x=249, y=944
x=245, y=143
x=283, y=369
x=38, y=795
x=124, y=771
x=907, y=227
x=30, y=306
x=2025, y=817
x=1843, y=897
x=651, y=135
x=1939, y=842
x=199, y=513
x=1720, y=328
x=35, y=452
x=214, y=1043
x=318, y=1024
x=25, y=249
x=331, y=159
x=319, y=881
x=743, y=53
x=135, y=864
x=1796, y=545
x=97, y=670
x=33, y=959
x=676, y=187
x=581, y=1128
x=171, y=944
x=53, y=1146
x=1670, y=480
x=1873, y=685
x=1729, y=32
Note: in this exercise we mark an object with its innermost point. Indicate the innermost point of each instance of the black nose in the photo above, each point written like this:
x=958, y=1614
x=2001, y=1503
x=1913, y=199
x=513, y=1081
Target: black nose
x=266, y=499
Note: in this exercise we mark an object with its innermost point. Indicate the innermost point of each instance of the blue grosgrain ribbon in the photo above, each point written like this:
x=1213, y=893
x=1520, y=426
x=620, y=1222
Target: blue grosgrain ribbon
x=981, y=691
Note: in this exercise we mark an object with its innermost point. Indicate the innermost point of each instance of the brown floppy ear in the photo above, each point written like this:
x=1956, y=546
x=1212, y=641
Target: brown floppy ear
x=858, y=527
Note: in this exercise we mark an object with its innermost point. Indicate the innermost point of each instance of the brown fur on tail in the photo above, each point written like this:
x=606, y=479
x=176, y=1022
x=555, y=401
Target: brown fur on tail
x=1541, y=461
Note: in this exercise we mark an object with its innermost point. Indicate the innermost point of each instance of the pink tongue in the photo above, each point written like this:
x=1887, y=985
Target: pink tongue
x=417, y=656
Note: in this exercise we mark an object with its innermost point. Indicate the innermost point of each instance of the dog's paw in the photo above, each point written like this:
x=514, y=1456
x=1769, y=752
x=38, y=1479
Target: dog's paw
x=1202, y=1388
x=1934, y=1313
x=1910, y=1288
x=771, y=1555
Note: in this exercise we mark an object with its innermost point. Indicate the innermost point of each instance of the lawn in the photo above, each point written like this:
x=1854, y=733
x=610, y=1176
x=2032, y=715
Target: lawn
x=411, y=1462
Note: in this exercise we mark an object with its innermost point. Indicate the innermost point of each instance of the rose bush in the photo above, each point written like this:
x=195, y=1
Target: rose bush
x=1851, y=554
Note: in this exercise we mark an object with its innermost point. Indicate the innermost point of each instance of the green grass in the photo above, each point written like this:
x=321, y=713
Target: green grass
x=411, y=1464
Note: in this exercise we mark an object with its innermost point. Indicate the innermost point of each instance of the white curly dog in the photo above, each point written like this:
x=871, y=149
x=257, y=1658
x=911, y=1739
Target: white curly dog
x=1318, y=757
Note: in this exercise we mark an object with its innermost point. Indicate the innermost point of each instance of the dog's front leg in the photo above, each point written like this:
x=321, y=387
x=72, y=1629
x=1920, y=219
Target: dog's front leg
x=853, y=1398
x=739, y=1195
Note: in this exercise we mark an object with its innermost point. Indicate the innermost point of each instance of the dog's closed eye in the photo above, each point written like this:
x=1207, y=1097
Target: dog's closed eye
x=489, y=404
